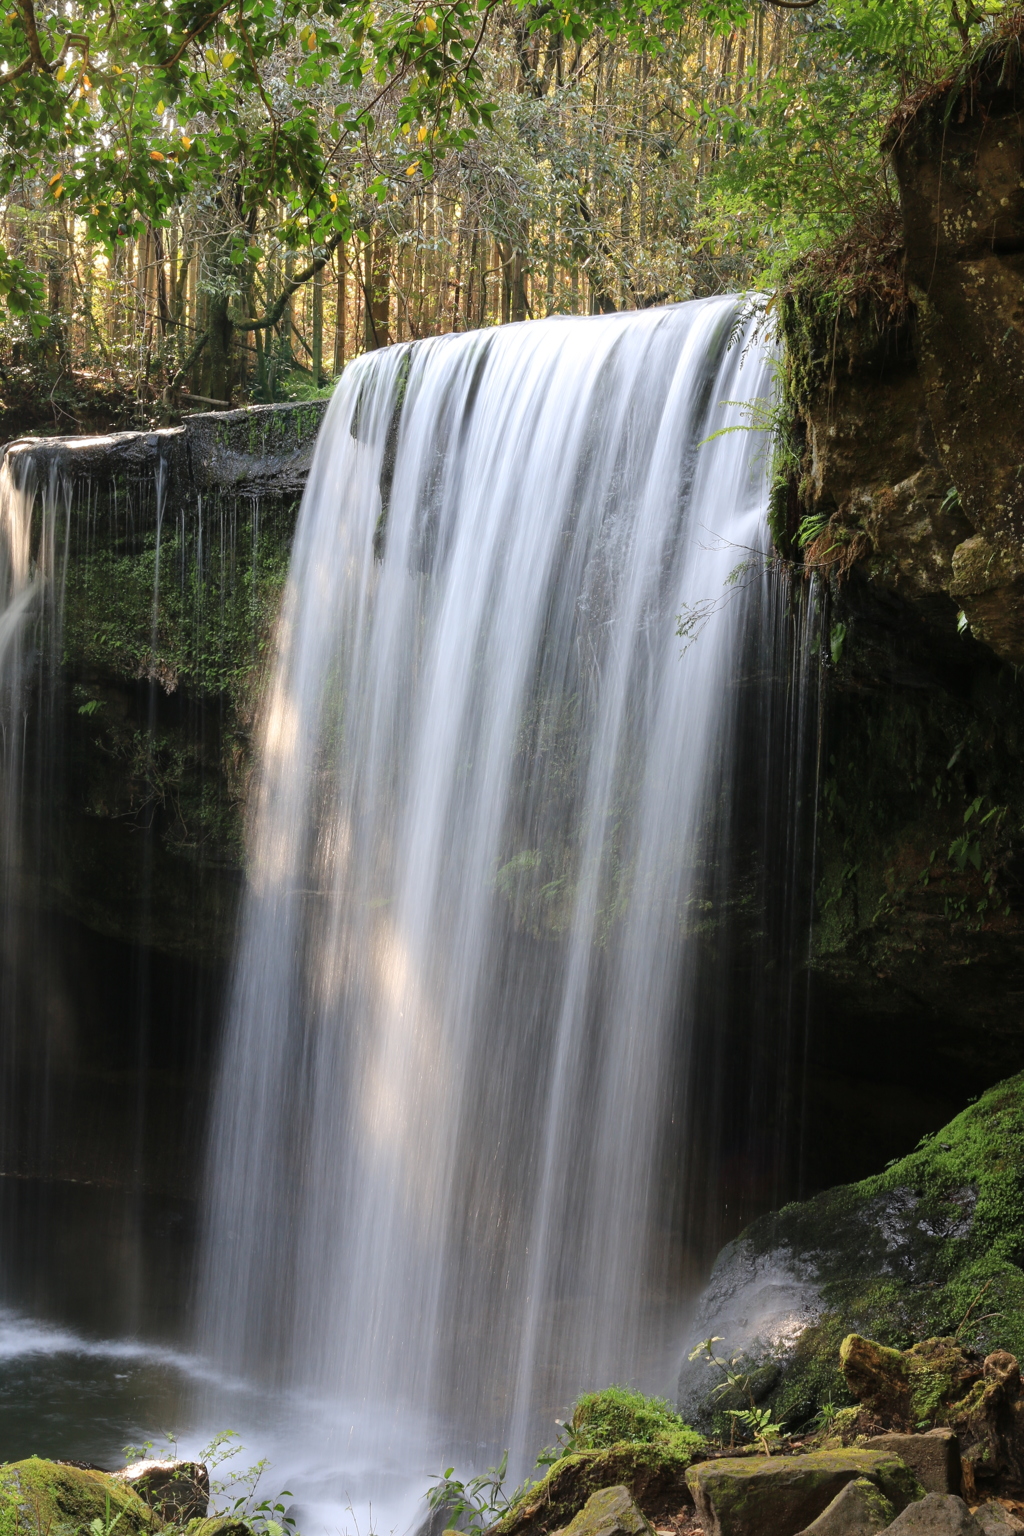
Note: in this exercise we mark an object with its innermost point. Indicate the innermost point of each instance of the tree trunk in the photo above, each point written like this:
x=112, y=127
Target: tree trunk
x=377, y=290
x=216, y=375
x=339, y=313
x=318, y=327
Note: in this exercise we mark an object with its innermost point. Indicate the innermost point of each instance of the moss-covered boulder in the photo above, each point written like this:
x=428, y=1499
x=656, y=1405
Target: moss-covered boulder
x=610, y=1512
x=655, y=1475
x=754, y=1495
x=931, y=1248
x=860, y=1509
x=938, y=1514
x=49, y=1497
x=615, y=1438
x=220, y=1525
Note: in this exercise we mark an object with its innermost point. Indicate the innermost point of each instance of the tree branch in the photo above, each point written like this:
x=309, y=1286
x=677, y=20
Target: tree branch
x=277, y=309
x=28, y=21
x=22, y=69
x=187, y=364
x=191, y=36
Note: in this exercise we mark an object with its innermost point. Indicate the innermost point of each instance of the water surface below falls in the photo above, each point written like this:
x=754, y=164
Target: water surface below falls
x=513, y=1040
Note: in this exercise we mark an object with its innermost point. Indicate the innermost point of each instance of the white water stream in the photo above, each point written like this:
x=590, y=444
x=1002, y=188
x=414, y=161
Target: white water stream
x=449, y=1144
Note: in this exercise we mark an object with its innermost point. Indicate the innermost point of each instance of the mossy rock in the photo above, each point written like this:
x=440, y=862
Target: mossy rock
x=47, y=1496
x=752, y=1495
x=932, y=1247
x=610, y=1512
x=652, y=1473
x=858, y=1509
x=876, y=1375
x=219, y=1525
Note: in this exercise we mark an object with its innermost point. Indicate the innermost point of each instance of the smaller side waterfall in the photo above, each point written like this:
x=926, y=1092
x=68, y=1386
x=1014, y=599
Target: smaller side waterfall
x=29, y=646
x=137, y=581
x=506, y=1028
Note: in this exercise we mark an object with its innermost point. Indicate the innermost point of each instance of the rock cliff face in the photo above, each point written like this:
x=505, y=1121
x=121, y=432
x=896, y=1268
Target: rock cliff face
x=908, y=503
x=959, y=157
x=912, y=409
x=172, y=549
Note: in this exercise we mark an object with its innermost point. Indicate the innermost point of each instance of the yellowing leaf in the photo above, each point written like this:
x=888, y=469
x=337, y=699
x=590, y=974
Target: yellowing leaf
x=62, y=72
x=54, y=179
x=334, y=199
x=422, y=135
x=211, y=57
x=86, y=83
x=159, y=109
x=311, y=41
x=411, y=170
x=155, y=154
x=430, y=23
x=186, y=142
x=228, y=60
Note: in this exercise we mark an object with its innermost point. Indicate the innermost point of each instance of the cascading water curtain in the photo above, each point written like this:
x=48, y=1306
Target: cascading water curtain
x=492, y=916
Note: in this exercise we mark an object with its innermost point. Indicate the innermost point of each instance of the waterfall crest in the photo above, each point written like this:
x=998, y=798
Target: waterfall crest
x=460, y=1127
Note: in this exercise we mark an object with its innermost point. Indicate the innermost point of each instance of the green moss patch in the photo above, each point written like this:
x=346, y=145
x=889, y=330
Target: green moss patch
x=933, y=1248
x=617, y=1414
x=44, y=1496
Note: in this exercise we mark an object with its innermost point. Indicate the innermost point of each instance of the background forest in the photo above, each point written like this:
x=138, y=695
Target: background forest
x=207, y=204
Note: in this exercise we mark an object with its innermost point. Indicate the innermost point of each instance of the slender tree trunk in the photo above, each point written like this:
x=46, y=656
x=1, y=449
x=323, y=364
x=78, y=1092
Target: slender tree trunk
x=339, y=312
x=318, y=327
x=377, y=290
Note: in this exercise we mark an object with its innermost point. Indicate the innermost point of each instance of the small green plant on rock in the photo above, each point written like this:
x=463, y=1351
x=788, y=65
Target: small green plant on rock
x=475, y=1505
x=760, y=1425
x=735, y=1380
x=758, y=1422
x=105, y=1525
x=238, y=1489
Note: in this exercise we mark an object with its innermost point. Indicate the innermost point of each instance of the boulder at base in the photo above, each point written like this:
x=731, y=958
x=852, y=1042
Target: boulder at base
x=933, y=1458
x=610, y=1512
x=179, y=1491
x=937, y=1514
x=654, y=1474
x=899, y=1257
x=219, y=1525
x=47, y=1496
x=997, y=1521
x=752, y=1495
x=860, y=1509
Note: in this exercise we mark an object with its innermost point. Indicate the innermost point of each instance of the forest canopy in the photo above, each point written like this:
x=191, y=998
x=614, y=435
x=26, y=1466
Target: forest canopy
x=204, y=203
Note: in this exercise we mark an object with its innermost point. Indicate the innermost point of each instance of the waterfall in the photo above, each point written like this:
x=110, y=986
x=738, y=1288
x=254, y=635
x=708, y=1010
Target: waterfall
x=464, y=1145
x=30, y=578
